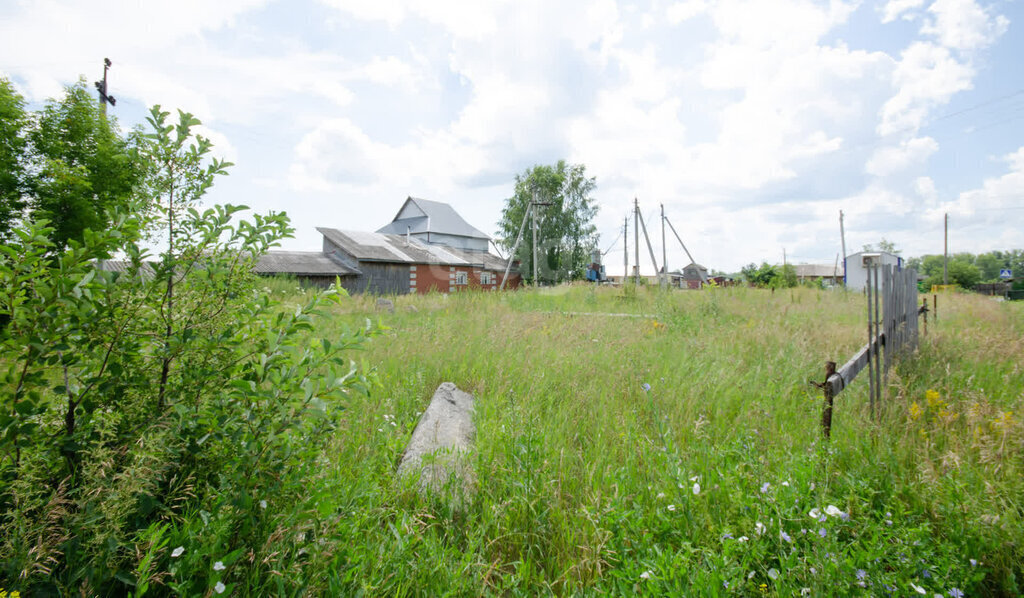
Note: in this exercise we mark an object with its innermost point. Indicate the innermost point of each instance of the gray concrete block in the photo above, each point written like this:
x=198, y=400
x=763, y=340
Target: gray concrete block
x=438, y=451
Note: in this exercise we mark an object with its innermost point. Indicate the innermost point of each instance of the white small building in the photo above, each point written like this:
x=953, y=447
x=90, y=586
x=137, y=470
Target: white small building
x=855, y=266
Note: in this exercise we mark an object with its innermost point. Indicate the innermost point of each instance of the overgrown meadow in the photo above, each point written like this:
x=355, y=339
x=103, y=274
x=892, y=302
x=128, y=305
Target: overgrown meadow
x=674, y=448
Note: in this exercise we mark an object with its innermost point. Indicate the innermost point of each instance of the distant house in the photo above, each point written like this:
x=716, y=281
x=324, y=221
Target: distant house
x=856, y=266
x=692, y=276
x=435, y=223
x=398, y=264
x=827, y=273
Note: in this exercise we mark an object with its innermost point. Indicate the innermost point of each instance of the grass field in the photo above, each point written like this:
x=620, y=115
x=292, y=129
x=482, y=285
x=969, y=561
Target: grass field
x=679, y=452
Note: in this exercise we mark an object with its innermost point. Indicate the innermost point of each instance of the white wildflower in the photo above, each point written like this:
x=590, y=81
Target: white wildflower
x=805, y=591
x=696, y=487
x=815, y=513
x=219, y=588
x=773, y=573
x=671, y=507
x=218, y=566
x=759, y=528
x=263, y=504
x=742, y=539
x=833, y=511
x=177, y=552
x=917, y=588
x=661, y=495
x=646, y=574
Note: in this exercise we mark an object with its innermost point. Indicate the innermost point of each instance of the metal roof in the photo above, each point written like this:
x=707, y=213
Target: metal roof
x=437, y=217
x=301, y=263
x=818, y=270
x=380, y=247
x=125, y=267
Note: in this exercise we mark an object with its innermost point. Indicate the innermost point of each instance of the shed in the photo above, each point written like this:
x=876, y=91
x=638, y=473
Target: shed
x=692, y=276
x=856, y=266
x=829, y=273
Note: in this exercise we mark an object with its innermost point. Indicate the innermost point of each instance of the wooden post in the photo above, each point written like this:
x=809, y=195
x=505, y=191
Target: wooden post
x=826, y=410
x=924, y=308
x=935, y=307
x=871, y=337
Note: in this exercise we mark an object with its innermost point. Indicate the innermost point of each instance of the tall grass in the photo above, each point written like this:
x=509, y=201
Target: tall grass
x=680, y=453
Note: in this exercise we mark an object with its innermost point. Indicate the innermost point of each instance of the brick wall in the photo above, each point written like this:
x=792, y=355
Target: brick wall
x=424, y=278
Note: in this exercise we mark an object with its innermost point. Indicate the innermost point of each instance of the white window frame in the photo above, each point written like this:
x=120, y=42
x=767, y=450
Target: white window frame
x=461, y=279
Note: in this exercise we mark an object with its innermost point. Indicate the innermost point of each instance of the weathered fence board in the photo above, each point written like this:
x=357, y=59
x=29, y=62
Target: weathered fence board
x=892, y=291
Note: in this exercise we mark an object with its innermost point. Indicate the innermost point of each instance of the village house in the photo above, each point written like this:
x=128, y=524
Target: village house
x=427, y=247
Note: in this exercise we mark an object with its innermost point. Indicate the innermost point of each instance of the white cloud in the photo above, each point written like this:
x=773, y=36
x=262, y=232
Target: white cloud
x=895, y=9
x=925, y=188
x=891, y=160
x=683, y=11
x=927, y=76
x=995, y=198
x=963, y=24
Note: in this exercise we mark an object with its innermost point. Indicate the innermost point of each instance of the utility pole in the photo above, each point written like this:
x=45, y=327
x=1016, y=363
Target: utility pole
x=945, y=251
x=664, y=251
x=533, y=210
x=842, y=235
x=101, y=88
x=625, y=249
x=647, y=238
x=636, y=238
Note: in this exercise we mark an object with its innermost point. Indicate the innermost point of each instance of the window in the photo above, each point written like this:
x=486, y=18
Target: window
x=461, y=278
x=487, y=278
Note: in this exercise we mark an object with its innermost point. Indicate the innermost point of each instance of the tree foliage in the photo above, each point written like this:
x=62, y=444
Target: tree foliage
x=769, y=276
x=13, y=123
x=566, y=233
x=148, y=413
x=968, y=269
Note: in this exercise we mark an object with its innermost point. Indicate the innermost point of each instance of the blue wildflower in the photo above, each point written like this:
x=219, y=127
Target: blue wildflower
x=646, y=387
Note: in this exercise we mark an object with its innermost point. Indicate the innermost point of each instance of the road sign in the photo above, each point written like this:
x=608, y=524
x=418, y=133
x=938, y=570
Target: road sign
x=1005, y=273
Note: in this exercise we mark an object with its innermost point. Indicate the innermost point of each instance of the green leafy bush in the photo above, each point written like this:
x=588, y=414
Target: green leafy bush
x=159, y=419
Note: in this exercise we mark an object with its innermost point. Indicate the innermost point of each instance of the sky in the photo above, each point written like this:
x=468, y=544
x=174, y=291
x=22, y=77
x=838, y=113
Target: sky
x=753, y=122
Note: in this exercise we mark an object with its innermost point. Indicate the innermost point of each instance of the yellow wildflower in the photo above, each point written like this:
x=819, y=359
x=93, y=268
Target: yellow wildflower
x=764, y=588
x=915, y=411
x=932, y=397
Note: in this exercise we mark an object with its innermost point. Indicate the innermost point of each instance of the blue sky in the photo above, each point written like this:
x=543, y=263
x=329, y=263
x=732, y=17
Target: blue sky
x=753, y=122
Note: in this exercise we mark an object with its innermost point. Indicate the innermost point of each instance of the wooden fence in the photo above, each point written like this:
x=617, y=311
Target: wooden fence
x=892, y=313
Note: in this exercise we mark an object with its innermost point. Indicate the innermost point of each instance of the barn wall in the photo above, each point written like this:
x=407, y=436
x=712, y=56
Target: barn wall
x=380, y=278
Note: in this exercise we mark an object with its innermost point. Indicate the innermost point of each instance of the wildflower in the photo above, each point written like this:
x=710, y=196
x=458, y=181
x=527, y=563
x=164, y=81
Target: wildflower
x=750, y=575
x=833, y=511
x=725, y=584
x=646, y=574
x=861, y=574
x=727, y=536
x=822, y=532
x=660, y=496
x=915, y=410
x=814, y=571
x=917, y=588
x=263, y=504
x=177, y=552
x=812, y=486
x=803, y=531
x=773, y=573
x=786, y=483
x=671, y=507
x=219, y=588
x=695, y=478
x=815, y=513
x=646, y=387
x=932, y=397
x=763, y=587
x=955, y=593
x=764, y=487
x=805, y=591
x=785, y=536
x=974, y=562
x=759, y=528
x=742, y=539
x=696, y=488
x=218, y=566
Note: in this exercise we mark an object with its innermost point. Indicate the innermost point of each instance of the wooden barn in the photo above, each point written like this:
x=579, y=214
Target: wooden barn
x=309, y=267
x=398, y=264
x=693, y=276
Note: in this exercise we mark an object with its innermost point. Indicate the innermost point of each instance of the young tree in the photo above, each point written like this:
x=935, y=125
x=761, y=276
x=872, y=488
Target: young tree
x=82, y=167
x=566, y=234
x=13, y=122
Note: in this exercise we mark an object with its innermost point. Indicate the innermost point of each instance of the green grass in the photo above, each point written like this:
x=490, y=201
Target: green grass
x=586, y=480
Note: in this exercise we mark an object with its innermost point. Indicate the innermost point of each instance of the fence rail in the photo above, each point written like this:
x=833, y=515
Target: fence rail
x=895, y=292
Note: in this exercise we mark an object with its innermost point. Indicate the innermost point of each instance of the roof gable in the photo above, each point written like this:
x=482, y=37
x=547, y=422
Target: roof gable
x=425, y=216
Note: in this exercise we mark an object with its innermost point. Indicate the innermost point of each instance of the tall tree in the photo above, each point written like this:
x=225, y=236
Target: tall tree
x=82, y=165
x=13, y=123
x=566, y=233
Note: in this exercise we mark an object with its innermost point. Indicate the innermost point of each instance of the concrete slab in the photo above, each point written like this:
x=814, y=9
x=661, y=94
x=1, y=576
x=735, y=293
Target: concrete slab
x=439, y=447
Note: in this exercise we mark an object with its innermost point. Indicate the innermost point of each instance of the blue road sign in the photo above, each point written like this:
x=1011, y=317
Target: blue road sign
x=1006, y=273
